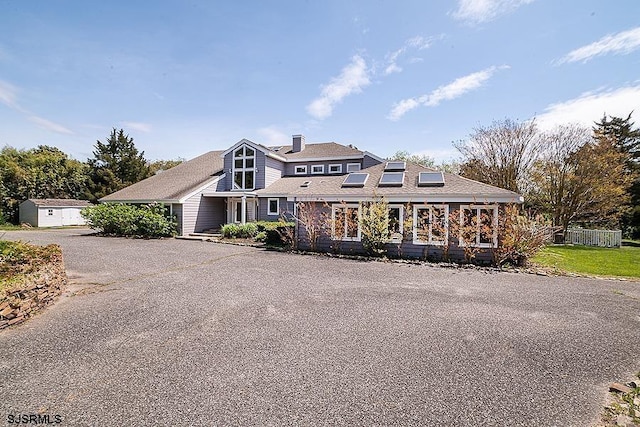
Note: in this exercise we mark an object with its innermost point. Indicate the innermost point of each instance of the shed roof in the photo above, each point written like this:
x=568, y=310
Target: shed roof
x=57, y=203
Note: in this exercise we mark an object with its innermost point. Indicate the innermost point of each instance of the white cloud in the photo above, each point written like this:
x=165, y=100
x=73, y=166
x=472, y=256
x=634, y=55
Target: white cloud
x=478, y=11
x=591, y=106
x=418, y=42
x=621, y=43
x=353, y=78
x=440, y=155
x=139, y=126
x=271, y=135
x=8, y=94
x=453, y=90
x=49, y=125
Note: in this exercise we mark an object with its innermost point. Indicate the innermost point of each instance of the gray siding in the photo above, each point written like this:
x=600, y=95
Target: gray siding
x=263, y=209
x=290, y=170
x=176, y=208
x=228, y=170
x=369, y=161
x=202, y=213
x=273, y=171
x=404, y=249
x=261, y=165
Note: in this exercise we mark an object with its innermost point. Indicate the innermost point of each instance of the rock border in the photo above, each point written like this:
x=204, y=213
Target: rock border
x=38, y=290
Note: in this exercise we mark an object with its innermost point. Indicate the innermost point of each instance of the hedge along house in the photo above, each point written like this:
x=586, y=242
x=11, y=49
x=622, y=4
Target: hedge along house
x=52, y=212
x=250, y=182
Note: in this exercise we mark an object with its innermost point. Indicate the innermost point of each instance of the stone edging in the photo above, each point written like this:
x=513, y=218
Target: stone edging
x=39, y=289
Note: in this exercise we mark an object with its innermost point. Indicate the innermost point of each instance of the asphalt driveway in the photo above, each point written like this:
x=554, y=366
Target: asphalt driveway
x=171, y=332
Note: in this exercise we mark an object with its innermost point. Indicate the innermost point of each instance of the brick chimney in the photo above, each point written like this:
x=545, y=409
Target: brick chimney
x=298, y=143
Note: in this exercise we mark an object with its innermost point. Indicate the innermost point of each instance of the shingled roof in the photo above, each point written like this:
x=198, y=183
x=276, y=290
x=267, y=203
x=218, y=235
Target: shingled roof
x=60, y=203
x=330, y=187
x=318, y=150
x=173, y=183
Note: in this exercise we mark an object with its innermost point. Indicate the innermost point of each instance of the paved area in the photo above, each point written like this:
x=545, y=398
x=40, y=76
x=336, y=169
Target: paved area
x=170, y=332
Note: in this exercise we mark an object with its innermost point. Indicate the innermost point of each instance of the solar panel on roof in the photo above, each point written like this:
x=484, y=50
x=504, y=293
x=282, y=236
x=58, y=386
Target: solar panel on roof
x=430, y=179
x=395, y=166
x=355, y=180
x=305, y=184
x=391, y=179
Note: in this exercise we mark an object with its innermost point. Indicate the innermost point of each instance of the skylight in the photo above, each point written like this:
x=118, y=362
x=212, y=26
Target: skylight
x=305, y=184
x=395, y=166
x=430, y=179
x=355, y=180
x=390, y=179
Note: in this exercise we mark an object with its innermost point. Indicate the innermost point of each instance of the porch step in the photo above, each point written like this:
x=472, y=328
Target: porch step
x=206, y=235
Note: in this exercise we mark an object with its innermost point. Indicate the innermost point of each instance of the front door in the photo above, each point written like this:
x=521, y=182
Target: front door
x=234, y=211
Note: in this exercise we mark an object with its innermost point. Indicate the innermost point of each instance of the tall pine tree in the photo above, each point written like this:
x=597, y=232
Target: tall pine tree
x=116, y=164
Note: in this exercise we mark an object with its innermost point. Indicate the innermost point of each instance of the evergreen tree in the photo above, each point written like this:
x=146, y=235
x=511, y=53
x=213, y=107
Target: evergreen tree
x=116, y=164
x=627, y=140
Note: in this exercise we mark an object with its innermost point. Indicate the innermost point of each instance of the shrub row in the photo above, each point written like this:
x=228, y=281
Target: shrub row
x=277, y=233
x=239, y=231
x=118, y=219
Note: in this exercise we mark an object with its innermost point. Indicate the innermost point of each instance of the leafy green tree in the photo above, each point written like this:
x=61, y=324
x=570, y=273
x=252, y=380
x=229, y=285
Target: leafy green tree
x=627, y=140
x=421, y=159
x=374, y=225
x=42, y=172
x=116, y=164
x=579, y=179
x=158, y=166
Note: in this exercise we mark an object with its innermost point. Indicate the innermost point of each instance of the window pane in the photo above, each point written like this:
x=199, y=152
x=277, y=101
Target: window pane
x=238, y=152
x=352, y=222
x=248, y=163
x=486, y=225
x=395, y=224
x=422, y=224
x=469, y=229
x=339, y=221
x=273, y=206
x=248, y=180
x=249, y=152
x=237, y=163
x=237, y=179
x=438, y=224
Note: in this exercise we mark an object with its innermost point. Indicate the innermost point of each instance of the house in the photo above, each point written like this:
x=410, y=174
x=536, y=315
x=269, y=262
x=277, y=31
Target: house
x=249, y=182
x=52, y=212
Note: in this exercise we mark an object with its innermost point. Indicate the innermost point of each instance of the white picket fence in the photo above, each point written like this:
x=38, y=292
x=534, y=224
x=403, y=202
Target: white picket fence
x=604, y=238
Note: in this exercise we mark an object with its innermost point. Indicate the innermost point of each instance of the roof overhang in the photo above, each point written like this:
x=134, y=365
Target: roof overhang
x=404, y=198
x=136, y=201
x=255, y=146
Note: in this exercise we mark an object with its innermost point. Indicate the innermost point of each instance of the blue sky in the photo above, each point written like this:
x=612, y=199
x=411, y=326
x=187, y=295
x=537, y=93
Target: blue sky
x=185, y=77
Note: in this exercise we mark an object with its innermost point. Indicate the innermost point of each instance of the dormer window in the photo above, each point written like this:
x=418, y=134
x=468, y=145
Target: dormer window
x=244, y=171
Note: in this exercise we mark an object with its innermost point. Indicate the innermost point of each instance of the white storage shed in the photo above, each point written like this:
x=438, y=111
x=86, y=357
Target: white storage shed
x=52, y=212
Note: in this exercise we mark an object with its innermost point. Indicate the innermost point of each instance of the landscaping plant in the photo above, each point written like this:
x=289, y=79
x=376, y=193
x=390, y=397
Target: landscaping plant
x=119, y=219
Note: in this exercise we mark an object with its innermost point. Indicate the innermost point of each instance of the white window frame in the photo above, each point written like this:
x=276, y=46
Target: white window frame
x=431, y=241
x=337, y=167
x=302, y=171
x=244, y=169
x=315, y=172
x=401, y=208
x=269, y=211
x=494, y=221
x=349, y=165
x=343, y=236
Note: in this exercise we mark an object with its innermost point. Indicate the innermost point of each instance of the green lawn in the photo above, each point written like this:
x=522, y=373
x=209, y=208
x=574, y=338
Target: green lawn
x=623, y=262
